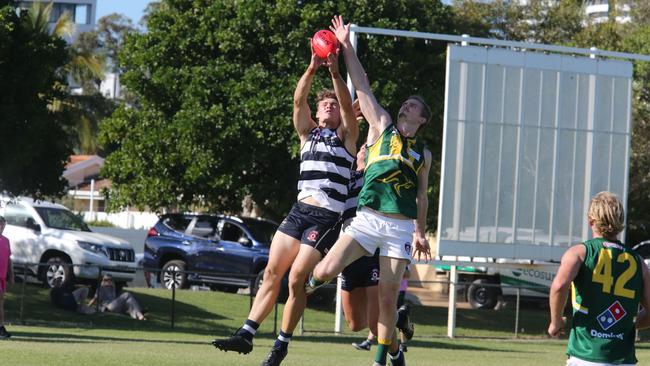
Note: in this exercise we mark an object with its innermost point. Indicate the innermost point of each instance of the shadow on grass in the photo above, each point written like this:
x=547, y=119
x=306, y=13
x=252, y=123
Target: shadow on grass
x=534, y=321
x=415, y=343
x=59, y=337
x=68, y=338
x=38, y=310
x=216, y=314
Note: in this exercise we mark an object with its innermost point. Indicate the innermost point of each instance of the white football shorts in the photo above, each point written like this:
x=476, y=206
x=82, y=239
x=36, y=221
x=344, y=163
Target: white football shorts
x=393, y=237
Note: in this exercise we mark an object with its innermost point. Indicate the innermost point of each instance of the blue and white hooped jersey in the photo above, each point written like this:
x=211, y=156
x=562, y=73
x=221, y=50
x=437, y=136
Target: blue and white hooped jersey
x=356, y=182
x=325, y=167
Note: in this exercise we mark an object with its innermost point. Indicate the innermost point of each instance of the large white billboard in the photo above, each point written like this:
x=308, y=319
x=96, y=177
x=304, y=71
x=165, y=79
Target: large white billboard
x=529, y=138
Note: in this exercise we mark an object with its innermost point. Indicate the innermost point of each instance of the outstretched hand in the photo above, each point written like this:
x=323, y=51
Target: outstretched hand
x=333, y=63
x=340, y=29
x=422, y=248
x=316, y=61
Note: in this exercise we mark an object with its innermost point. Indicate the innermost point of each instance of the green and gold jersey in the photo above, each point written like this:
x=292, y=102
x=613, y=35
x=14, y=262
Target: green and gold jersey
x=605, y=296
x=391, y=176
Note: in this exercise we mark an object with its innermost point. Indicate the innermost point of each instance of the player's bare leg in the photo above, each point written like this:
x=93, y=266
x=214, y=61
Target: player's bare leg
x=284, y=250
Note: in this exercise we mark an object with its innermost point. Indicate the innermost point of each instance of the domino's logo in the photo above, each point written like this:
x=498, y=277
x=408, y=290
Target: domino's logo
x=611, y=315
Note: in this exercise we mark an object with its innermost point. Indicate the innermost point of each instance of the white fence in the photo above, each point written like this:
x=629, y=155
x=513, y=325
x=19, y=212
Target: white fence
x=125, y=219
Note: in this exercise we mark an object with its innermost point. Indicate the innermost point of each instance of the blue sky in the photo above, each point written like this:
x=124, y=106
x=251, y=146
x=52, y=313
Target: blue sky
x=131, y=8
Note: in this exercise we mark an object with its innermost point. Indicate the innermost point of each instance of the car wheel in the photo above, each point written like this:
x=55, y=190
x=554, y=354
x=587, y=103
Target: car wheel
x=482, y=294
x=173, y=274
x=256, y=282
x=57, y=267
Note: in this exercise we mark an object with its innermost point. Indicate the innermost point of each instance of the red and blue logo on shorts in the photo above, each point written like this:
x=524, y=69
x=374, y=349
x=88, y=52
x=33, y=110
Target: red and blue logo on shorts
x=312, y=236
x=611, y=315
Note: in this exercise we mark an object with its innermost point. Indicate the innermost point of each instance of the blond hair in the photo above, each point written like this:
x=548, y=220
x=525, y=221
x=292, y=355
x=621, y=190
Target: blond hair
x=606, y=214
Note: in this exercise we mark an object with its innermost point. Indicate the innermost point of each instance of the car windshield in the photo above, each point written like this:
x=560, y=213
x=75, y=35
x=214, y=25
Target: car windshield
x=262, y=231
x=63, y=219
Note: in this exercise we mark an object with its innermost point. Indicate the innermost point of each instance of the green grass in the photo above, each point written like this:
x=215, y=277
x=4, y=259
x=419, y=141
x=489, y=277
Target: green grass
x=53, y=337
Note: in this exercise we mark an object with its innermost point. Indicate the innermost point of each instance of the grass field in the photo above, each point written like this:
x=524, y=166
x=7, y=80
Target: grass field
x=53, y=337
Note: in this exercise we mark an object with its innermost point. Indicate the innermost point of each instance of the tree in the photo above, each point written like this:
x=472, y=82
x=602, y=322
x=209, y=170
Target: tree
x=34, y=146
x=537, y=21
x=100, y=46
x=640, y=12
x=151, y=8
x=214, y=81
x=639, y=199
x=107, y=38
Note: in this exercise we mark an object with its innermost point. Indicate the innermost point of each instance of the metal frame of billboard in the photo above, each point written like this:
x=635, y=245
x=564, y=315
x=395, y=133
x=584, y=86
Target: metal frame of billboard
x=466, y=40
x=516, y=124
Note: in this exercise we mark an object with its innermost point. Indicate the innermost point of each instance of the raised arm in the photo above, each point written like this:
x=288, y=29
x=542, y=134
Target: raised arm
x=378, y=119
x=302, y=121
x=348, y=130
x=420, y=239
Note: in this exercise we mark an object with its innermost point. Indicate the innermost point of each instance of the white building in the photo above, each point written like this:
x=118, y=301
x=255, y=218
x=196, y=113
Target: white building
x=599, y=11
x=83, y=13
x=110, y=87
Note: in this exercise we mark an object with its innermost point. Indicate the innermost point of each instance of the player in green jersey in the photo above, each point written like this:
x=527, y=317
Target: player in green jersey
x=392, y=205
x=609, y=281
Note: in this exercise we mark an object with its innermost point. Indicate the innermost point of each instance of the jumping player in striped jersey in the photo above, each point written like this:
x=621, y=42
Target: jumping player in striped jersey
x=327, y=152
x=609, y=281
x=392, y=203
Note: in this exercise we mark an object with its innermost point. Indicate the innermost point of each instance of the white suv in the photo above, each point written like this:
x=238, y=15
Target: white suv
x=51, y=235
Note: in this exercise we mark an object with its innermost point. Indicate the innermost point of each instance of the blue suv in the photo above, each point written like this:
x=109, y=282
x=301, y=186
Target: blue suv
x=223, y=252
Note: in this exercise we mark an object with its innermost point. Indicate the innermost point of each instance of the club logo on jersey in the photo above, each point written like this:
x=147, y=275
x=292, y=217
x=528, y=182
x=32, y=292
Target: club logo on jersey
x=374, y=276
x=611, y=315
x=312, y=236
x=407, y=248
x=395, y=178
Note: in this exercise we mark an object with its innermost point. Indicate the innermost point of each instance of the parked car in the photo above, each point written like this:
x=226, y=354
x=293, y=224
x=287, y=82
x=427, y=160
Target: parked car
x=51, y=235
x=223, y=252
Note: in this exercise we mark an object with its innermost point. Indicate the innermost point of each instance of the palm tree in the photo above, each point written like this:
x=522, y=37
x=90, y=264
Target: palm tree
x=82, y=65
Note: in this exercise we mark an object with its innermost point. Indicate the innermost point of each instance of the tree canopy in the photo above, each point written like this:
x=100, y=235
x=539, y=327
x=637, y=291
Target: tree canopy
x=214, y=82
x=34, y=146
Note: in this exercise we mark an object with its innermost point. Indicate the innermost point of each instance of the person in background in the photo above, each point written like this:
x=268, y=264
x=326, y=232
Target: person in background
x=403, y=286
x=108, y=300
x=609, y=282
x=66, y=297
x=405, y=335
x=6, y=275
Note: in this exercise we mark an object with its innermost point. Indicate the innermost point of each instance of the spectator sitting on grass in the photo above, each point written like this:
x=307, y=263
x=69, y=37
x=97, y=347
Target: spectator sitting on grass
x=108, y=300
x=66, y=297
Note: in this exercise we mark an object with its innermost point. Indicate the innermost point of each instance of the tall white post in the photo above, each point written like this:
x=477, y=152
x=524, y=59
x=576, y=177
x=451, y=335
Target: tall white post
x=338, y=319
x=92, y=199
x=451, y=315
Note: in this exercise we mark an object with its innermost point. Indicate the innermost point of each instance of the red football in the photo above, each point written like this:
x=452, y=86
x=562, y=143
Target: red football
x=324, y=42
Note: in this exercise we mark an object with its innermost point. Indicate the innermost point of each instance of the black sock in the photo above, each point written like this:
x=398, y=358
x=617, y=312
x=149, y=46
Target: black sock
x=283, y=340
x=248, y=330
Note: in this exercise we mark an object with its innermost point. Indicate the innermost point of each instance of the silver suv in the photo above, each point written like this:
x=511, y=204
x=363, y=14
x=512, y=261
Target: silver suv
x=51, y=235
